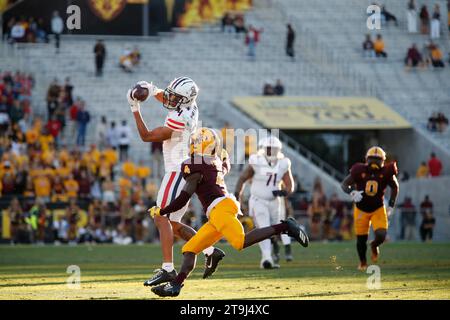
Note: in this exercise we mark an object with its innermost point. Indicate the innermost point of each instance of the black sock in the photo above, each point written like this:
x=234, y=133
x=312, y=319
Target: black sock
x=361, y=247
x=180, y=278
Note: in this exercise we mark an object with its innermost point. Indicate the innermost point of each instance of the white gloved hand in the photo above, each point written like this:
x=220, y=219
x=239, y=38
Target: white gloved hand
x=152, y=89
x=356, y=195
x=389, y=211
x=134, y=104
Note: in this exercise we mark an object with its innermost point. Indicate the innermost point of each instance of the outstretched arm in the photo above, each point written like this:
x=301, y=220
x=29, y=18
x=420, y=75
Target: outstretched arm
x=187, y=192
x=246, y=175
x=156, y=135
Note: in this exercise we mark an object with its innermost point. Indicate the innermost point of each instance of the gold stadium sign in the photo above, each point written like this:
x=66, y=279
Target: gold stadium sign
x=107, y=10
x=321, y=113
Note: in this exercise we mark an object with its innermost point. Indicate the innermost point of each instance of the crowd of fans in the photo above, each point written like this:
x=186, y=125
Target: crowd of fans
x=429, y=55
x=276, y=89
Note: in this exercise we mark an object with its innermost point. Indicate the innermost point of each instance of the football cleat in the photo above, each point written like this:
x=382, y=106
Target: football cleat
x=168, y=290
x=375, y=252
x=161, y=276
x=362, y=266
x=296, y=232
x=267, y=264
x=212, y=261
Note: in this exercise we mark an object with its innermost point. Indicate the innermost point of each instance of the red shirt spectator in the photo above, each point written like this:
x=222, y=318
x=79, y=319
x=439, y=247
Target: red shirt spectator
x=434, y=166
x=73, y=112
x=54, y=127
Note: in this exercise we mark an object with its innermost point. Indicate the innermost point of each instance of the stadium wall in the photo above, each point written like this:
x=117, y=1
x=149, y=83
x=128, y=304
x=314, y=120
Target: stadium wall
x=410, y=148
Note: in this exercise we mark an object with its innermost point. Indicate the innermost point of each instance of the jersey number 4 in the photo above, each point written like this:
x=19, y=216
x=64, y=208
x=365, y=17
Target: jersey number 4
x=371, y=188
x=270, y=175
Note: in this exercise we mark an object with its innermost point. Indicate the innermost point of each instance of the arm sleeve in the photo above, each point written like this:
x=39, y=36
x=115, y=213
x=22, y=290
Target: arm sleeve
x=175, y=123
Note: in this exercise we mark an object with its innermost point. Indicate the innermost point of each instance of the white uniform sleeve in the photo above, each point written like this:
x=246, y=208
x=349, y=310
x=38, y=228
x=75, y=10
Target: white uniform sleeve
x=253, y=160
x=175, y=122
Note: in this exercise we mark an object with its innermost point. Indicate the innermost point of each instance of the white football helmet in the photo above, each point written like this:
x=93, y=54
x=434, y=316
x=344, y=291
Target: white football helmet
x=181, y=93
x=271, y=147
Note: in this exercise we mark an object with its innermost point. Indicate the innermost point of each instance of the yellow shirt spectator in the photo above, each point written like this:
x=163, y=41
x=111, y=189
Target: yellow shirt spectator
x=422, y=171
x=64, y=155
x=45, y=141
x=31, y=136
x=63, y=172
x=378, y=45
x=111, y=156
x=72, y=187
x=125, y=187
x=104, y=169
x=143, y=172
x=436, y=54
x=129, y=169
x=42, y=186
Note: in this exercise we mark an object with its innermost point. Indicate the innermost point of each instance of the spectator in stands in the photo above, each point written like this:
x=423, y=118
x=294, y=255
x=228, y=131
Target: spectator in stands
x=434, y=165
x=101, y=133
x=413, y=57
x=279, y=88
x=432, y=122
x=113, y=136
x=337, y=213
x=411, y=15
x=424, y=20
x=442, y=122
x=41, y=32
x=68, y=88
x=368, y=47
x=251, y=40
x=18, y=225
x=378, y=47
x=126, y=62
x=239, y=24
x=135, y=56
x=426, y=54
x=228, y=23
x=437, y=57
x=73, y=111
x=422, y=171
x=57, y=28
x=124, y=132
x=52, y=97
x=54, y=128
x=18, y=32
x=268, y=90
x=435, y=22
x=290, y=38
x=100, y=54
x=408, y=220
x=426, y=205
x=388, y=16
x=83, y=118
x=427, y=226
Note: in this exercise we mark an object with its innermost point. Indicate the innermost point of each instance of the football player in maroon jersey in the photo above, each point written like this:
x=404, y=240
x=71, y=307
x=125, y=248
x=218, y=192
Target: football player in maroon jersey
x=366, y=184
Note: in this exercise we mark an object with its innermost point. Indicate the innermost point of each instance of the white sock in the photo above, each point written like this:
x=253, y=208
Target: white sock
x=266, y=249
x=168, y=266
x=285, y=239
x=208, y=251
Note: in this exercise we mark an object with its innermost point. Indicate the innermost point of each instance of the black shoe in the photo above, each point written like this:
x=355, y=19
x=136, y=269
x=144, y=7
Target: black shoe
x=168, y=290
x=161, y=276
x=266, y=264
x=296, y=232
x=212, y=261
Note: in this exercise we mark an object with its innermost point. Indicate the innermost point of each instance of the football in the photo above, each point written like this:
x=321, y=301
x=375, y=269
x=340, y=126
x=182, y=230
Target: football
x=140, y=93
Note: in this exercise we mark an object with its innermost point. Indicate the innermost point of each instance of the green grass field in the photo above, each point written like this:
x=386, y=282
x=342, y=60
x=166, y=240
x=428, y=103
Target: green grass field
x=322, y=271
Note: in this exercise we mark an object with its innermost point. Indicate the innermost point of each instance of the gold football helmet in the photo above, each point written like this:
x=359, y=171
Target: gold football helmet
x=375, y=158
x=205, y=142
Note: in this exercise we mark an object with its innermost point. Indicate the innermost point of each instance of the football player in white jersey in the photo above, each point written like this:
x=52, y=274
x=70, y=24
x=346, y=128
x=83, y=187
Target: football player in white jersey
x=269, y=170
x=180, y=99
